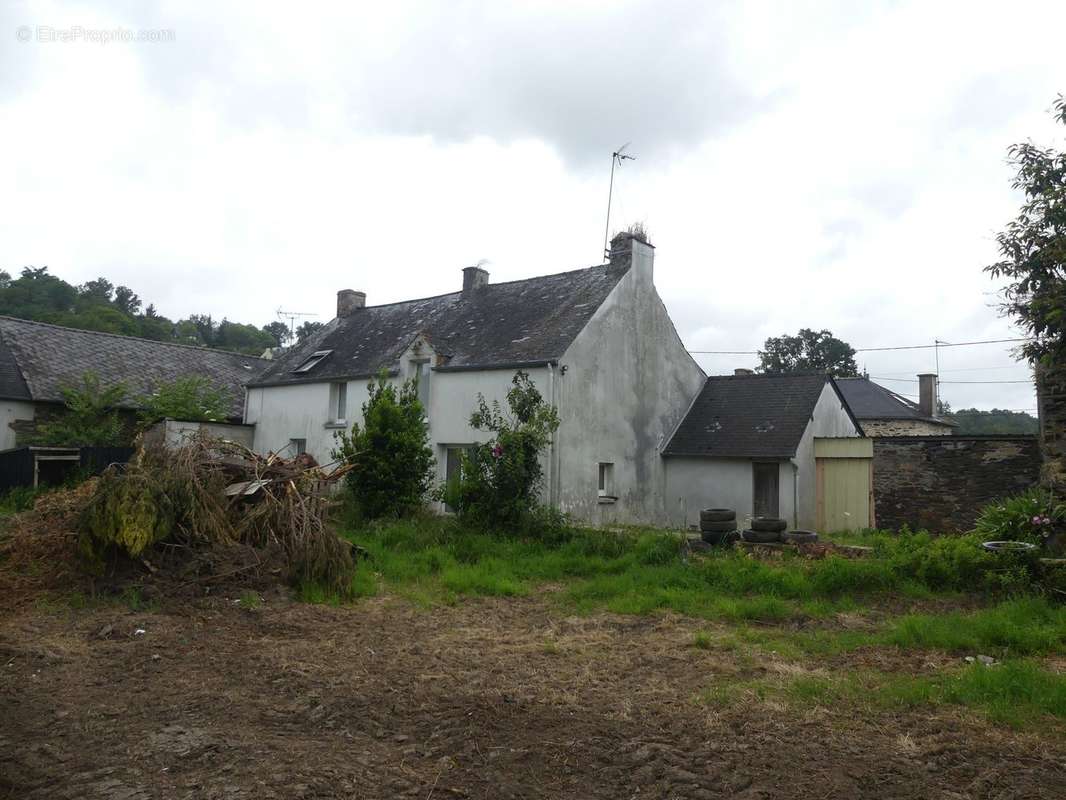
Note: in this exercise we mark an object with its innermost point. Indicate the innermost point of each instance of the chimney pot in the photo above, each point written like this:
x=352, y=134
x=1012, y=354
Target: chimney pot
x=927, y=394
x=349, y=301
x=474, y=278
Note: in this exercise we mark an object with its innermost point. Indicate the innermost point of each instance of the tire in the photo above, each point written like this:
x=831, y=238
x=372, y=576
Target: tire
x=719, y=537
x=760, y=537
x=719, y=527
x=768, y=524
x=799, y=537
x=717, y=515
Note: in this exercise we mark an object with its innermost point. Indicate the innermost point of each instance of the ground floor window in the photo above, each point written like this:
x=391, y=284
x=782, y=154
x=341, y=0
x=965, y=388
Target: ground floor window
x=298, y=446
x=453, y=468
x=766, y=478
x=605, y=487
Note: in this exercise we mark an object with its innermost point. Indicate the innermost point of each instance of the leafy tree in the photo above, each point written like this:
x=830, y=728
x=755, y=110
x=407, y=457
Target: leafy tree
x=241, y=338
x=192, y=398
x=97, y=291
x=499, y=481
x=1033, y=248
x=307, y=329
x=88, y=419
x=35, y=295
x=974, y=422
x=279, y=332
x=808, y=351
x=127, y=301
x=390, y=453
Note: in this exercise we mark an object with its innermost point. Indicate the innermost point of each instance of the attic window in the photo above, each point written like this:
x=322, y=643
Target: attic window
x=312, y=360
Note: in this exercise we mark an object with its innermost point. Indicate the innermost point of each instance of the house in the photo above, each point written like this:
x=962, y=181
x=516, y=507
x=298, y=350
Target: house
x=882, y=412
x=597, y=342
x=770, y=445
x=38, y=360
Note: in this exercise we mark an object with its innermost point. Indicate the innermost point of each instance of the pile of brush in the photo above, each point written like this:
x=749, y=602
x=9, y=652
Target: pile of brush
x=210, y=498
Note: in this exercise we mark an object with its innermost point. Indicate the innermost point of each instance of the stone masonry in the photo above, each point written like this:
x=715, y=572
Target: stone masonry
x=940, y=483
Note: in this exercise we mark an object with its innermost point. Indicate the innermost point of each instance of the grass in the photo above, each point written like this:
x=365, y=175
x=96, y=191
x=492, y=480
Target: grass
x=249, y=600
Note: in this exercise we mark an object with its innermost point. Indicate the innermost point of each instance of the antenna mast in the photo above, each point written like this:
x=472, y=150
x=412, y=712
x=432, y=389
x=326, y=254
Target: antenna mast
x=617, y=157
x=292, y=317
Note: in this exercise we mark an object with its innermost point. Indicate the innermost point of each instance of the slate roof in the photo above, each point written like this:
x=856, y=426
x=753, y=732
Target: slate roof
x=869, y=400
x=748, y=416
x=513, y=324
x=38, y=360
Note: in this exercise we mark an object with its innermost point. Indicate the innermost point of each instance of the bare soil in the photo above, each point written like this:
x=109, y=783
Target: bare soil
x=487, y=699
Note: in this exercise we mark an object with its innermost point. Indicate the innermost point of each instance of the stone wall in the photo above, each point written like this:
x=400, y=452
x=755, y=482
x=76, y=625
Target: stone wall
x=1051, y=401
x=940, y=483
x=904, y=427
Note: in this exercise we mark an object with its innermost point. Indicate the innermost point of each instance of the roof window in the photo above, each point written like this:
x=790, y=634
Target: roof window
x=312, y=361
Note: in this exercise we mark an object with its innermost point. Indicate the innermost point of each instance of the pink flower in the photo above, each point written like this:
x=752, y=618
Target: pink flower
x=497, y=451
x=1036, y=520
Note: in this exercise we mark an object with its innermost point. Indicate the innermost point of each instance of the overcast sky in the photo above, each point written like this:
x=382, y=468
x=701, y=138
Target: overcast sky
x=831, y=165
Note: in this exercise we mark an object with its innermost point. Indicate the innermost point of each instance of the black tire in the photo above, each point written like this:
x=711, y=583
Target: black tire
x=719, y=527
x=718, y=537
x=760, y=537
x=799, y=537
x=768, y=524
x=717, y=515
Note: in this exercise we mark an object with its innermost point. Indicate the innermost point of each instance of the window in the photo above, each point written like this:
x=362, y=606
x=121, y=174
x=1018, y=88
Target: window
x=420, y=373
x=605, y=487
x=453, y=469
x=298, y=446
x=338, y=403
x=311, y=361
x=766, y=478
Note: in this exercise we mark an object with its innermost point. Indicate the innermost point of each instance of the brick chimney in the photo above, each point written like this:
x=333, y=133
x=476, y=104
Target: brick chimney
x=474, y=278
x=349, y=301
x=927, y=399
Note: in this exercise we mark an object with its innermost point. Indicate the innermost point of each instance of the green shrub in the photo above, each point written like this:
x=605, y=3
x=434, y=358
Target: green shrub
x=390, y=454
x=88, y=418
x=499, y=480
x=192, y=398
x=1027, y=517
x=20, y=498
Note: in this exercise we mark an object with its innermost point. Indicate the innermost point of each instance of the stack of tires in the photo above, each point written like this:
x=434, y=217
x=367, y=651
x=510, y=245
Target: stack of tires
x=718, y=525
x=764, y=530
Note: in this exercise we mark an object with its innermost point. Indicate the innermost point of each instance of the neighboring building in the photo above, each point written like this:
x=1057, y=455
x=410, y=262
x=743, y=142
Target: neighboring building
x=37, y=361
x=882, y=412
x=770, y=445
x=597, y=342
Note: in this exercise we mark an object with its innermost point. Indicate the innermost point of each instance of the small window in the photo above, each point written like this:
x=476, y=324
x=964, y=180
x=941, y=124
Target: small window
x=606, y=481
x=311, y=361
x=453, y=469
x=420, y=372
x=338, y=403
x=298, y=446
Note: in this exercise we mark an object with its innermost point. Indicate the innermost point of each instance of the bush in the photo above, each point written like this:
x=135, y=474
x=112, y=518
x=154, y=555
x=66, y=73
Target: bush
x=499, y=481
x=88, y=419
x=1029, y=517
x=192, y=399
x=390, y=454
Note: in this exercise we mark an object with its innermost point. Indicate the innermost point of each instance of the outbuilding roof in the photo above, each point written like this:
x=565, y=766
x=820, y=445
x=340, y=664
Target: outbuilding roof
x=749, y=416
x=869, y=400
x=38, y=360
x=499, y=325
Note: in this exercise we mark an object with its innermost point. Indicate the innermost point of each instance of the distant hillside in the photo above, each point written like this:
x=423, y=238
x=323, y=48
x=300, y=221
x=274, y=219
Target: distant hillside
x=973, y=422
x=99, y=305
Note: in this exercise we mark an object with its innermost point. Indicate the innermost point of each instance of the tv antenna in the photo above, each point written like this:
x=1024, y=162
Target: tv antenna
x=617, y=157
x=292, y=316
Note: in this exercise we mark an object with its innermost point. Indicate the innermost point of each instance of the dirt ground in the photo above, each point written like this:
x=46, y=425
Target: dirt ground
x=487, y=699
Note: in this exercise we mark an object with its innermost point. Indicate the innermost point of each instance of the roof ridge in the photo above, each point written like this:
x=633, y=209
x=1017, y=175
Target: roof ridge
x=488, y=286
x=201, y=348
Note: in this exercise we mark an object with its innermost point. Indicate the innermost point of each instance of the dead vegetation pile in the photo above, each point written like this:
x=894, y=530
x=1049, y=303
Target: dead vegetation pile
x=198, y=514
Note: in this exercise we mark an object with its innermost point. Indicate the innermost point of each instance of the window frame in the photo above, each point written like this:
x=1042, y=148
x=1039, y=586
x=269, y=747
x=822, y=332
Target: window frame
x=338, y=391
x=312, y=361
x=605, y=482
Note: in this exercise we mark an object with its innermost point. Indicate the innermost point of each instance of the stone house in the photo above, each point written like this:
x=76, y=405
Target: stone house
x=770, y=445
x=597, y=342
x=38, y=360
x=882, y=412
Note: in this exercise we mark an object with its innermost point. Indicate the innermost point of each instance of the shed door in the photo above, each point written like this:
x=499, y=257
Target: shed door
x=843, y=494
x=766, y=491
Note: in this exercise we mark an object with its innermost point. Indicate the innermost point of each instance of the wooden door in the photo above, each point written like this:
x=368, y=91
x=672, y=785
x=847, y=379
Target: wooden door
x=766, y=492
x=843, y=494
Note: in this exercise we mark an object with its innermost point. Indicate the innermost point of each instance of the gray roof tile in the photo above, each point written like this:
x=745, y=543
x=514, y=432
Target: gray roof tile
x=869, y=400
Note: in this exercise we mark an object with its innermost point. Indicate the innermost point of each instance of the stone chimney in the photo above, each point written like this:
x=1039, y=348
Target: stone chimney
x=474, y=278
x=743, y=371
x=349, y=301
x=927, y=399
x=632, y=251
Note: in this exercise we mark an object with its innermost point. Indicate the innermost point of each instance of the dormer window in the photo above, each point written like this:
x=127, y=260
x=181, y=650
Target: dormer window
x=312, y=361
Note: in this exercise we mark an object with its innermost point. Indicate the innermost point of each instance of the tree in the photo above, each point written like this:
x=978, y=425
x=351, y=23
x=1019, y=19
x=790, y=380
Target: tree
x=88, y=419
x=279, y=332
x=192, y=398
x=308, y=329
x=127, y=301
x=808, y=351
x=98, y=291
x=391, y=459
x=241, y=338
x=499, y=480
x=974, y=422
x=1033, y=248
